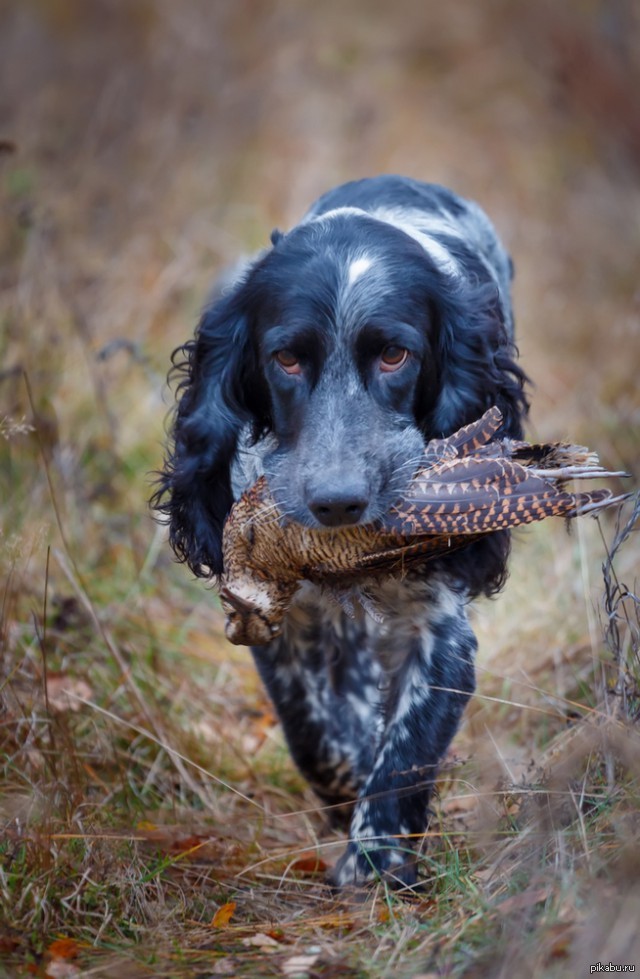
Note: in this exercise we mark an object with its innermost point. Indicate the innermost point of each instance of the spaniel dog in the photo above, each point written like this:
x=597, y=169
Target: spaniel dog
x=326, y=362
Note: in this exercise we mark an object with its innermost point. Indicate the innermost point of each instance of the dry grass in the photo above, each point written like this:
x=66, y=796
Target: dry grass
x=146, y=785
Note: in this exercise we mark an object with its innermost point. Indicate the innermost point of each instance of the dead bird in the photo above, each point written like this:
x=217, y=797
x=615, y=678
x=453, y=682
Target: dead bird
x=471, y=484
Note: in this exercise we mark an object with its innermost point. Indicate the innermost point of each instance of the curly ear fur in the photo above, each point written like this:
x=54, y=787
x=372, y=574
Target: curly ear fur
x=477, y=370
x=221, y=392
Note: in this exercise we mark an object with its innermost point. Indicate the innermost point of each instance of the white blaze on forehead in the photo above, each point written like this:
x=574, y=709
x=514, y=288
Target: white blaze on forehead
x=357, y=268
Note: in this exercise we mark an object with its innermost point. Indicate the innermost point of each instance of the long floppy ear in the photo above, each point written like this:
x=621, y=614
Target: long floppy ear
x=221, y=393
x=477, y=369
x=477, y=366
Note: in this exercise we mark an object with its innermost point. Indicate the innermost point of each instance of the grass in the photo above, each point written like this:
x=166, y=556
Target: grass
x=146, y=785
x=152, y=821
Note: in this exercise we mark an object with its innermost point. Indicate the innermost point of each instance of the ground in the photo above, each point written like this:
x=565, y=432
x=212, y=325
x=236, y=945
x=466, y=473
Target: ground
x=152, y=822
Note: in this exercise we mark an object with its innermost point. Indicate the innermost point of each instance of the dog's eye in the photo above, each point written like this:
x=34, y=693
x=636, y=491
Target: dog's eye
x=288, y=361
x=393, y=358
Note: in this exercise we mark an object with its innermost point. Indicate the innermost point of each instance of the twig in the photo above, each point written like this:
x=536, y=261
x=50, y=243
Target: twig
x=624, y=650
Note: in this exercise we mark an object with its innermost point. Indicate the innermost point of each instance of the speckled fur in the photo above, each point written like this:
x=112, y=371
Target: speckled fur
x=369, y=709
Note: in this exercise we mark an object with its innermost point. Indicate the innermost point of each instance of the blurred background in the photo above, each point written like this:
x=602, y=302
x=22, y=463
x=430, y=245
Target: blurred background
x=148, y=143
x=144, y=146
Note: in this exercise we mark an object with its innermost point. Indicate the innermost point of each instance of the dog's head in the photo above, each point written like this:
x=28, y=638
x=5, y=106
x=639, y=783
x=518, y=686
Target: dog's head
x=350, y=344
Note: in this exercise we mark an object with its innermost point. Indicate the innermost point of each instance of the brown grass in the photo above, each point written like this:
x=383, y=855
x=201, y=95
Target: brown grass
x=146, y=785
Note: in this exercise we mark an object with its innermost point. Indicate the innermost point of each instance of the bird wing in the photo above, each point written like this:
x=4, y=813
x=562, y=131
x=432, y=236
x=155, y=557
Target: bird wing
x=484, y=493
x=466, y=440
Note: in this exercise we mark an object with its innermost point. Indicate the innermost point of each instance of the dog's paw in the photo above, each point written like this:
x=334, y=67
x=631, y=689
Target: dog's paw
x=367, y=863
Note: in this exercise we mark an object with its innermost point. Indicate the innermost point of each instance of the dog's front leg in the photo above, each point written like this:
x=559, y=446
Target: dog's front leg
x=427, y=689
x=324, y=684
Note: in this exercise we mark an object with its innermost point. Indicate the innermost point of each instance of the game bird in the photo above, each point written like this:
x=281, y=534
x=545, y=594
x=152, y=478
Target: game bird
x=470, y=484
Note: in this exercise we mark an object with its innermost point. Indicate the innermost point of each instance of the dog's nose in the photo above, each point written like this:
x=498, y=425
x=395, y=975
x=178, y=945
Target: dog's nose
x=337, y=507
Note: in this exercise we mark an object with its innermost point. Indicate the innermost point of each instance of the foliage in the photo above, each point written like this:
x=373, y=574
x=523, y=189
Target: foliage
x=151, y=821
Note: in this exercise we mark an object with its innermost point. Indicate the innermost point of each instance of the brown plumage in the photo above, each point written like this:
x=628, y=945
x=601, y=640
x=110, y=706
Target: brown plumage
x=471, y=484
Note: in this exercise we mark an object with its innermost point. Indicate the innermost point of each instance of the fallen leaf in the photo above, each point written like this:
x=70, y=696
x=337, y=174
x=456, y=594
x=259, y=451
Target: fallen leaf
x=62, y=691
x=299, y=964
x=187, y=843
x=64, y=948
x=265, y=942
x=309, y=865
x=223, y=915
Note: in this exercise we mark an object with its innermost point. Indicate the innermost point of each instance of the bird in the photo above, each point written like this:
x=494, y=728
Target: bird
x=470, y=484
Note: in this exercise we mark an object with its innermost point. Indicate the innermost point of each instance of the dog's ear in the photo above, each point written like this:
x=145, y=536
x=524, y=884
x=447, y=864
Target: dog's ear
x=475, y=369
x=221, y=394
x=476, y=361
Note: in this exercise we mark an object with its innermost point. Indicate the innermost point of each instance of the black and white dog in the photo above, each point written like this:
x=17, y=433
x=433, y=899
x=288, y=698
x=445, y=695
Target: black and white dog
x=380, y=321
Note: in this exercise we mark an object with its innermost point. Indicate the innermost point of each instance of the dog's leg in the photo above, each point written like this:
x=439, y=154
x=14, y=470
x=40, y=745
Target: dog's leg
x=324, y=684
x=428, y=685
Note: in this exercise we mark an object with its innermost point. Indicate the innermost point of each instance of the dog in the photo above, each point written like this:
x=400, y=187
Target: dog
x=382, y=320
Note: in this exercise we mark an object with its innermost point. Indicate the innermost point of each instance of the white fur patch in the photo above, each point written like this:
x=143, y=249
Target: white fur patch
x=358, y=268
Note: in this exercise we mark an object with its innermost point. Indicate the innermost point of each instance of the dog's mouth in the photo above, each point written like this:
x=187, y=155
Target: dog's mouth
x=334, y=509
x=326, y=492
